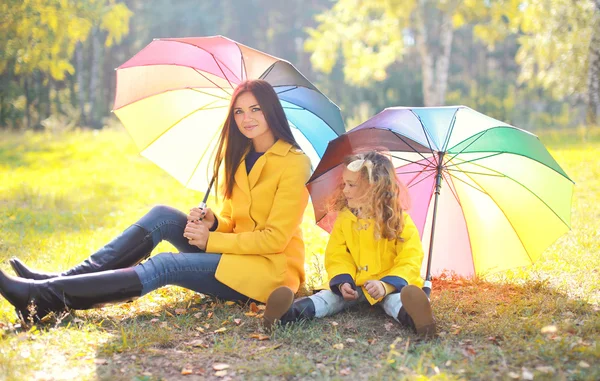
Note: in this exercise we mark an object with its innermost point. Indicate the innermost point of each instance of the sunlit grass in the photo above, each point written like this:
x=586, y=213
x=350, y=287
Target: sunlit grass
x=64, y=196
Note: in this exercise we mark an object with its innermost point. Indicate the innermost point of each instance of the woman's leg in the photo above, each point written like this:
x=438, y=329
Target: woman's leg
x=194, y=271
x=130, y=248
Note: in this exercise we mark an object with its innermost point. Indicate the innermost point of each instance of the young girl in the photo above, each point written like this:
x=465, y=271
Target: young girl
x=374, y=253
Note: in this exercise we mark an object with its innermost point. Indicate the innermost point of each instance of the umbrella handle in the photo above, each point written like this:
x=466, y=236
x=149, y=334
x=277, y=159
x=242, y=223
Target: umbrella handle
x=202, y=205
x=427, y=288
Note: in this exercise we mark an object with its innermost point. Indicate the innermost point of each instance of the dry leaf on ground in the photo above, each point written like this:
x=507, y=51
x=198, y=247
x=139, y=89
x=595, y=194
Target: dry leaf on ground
x=220, y=366
x=260, y=336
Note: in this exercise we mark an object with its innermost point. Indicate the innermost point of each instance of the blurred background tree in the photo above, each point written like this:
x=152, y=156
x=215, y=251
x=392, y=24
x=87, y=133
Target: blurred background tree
x=532, y=63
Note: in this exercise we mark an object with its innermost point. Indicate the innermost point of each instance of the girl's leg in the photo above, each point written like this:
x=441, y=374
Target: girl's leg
x=327, y=303
x=194, y=271
x=131, y=247
x=411, y=308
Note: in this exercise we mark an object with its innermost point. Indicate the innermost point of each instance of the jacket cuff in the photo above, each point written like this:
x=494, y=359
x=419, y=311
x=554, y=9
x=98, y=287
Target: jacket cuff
x=334, y=283
x=395, y=281
x=215, y=224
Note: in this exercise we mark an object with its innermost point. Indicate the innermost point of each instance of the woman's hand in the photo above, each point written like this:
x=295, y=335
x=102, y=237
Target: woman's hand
x=197, y=234
x=206, y=215
x=347, y=292
x=375, y=288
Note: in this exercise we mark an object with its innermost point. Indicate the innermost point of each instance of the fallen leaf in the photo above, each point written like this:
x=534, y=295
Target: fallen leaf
x=220, y=330
x=253, y=307
x=545, y=369
x=371, y=341
x=338, y=346
x=221, y=373
x=155, y=320
x=237, y=321
x=220, y=366
x=198, y=343
x=168, y=313
x=100, y=361
x=345, y=371
x=200, y=329
x=185, y=371
x=225, y=322
x=388, y=326
x=526, y=375
x=260, y=336
x=349, y=340
x=448, y=363
x=334, y=323
x=197, y=315
x=229, y=303
x=549, y=329
x=262, y=307
x=209, y=315
x=583, y=364
x=250, y=314
x=513, y=375
x=180, y=311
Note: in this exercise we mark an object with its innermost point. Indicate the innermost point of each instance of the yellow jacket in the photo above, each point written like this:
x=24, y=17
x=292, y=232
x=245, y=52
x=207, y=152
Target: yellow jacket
x=353, y=255
x=259, y=232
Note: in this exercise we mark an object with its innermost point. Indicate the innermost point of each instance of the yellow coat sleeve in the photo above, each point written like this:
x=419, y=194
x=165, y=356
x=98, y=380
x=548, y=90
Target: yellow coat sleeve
x=286, y=215
x=337, y=258
x=409, y=254
x=225, y=223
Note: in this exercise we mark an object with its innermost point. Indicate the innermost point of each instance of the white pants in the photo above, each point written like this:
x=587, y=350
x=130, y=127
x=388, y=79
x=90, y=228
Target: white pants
x=327, y=303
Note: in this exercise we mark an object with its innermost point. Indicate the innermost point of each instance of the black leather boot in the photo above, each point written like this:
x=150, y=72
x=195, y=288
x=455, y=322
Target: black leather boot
x=127, y=250
x=77, y=292
x=416, y=311
x=301, y=309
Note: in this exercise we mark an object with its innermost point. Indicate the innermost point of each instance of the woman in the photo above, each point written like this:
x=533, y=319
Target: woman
x=254, y=246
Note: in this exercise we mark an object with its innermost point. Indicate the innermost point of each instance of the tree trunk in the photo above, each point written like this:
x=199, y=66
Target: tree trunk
x=593, y=75
x=80, y=82
x=27, y=103
x=434, y=45
x=97, y=44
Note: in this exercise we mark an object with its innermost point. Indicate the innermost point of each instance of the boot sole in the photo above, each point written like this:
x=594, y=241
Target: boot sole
x=418, y=308
x=278, y=303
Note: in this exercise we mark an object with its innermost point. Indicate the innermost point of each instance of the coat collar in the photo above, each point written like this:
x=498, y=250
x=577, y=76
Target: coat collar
x=247, y=181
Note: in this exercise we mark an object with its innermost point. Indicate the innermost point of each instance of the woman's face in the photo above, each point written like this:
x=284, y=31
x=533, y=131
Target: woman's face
x=355, y=188
x=251, y=122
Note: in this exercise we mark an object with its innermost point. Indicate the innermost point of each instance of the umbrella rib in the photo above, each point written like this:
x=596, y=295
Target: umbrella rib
x=521, y=184
x=201, y=48
x=472, y=160
x=468, y=145
x=420, y=171
x=202, y=157
x=409, y=161
x=451, y=129
x=414, y=150
x=425, y=132
x=205, y=107
x=475, y=173
x=211, y=81
x=410, y=185
x=505, y=216
x=449, y=176
x=206, y=93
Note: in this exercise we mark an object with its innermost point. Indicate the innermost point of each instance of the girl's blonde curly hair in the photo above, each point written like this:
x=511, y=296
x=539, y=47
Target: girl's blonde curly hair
x=386, y=197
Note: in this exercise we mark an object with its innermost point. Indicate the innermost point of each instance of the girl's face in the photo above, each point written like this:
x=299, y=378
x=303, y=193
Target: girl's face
x=355, y=188
x=251, y=122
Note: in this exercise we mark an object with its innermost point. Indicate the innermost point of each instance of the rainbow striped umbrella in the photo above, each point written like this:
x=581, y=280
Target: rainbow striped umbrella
x=490, y=193
x=173, y=96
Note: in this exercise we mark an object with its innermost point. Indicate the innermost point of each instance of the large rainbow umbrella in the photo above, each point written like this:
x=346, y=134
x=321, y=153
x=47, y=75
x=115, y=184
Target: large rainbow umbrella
x=489, y=193
x=173, y=97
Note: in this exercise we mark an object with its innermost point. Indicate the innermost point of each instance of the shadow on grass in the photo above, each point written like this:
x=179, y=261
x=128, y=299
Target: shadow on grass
x=487, y=331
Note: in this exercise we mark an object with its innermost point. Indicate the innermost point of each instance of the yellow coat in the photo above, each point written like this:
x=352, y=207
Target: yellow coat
x=259, y=232
x=353, y=254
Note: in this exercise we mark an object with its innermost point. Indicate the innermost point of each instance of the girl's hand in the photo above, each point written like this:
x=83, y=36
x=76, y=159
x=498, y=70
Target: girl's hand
x=197, y=234
x=375, y=288
x=347, y=292
x=206, y=215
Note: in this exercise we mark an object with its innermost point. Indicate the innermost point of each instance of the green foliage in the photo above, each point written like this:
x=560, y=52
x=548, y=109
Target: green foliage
x=41, y=34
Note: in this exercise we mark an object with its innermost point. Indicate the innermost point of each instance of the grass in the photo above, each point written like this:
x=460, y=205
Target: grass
x=63, y=196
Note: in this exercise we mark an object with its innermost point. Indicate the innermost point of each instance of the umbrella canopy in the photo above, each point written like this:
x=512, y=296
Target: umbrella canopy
x=173, y=97
x=489, y=193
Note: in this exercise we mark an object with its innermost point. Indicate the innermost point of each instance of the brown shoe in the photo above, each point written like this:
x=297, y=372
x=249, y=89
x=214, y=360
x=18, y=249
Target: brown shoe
x=418, y=308
x=278, y=303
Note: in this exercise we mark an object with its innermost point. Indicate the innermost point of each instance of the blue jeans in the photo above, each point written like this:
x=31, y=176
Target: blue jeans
x=190, y=268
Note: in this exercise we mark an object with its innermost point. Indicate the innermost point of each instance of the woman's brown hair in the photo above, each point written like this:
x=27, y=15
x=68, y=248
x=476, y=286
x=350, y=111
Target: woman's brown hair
x=233, y=145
